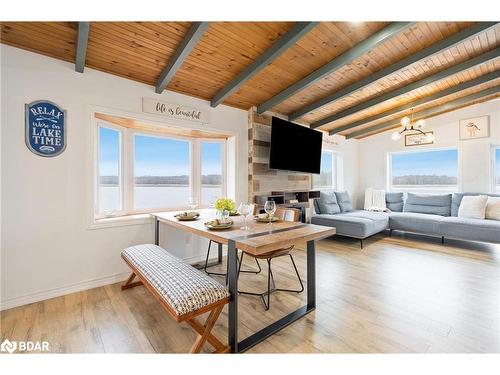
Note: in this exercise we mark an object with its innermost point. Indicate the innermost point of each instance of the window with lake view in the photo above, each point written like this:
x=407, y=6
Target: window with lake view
x=328, y=176
x=432, y=170
x=109, y=176
x=141, y=172
x=161, y=172
x=211, y=172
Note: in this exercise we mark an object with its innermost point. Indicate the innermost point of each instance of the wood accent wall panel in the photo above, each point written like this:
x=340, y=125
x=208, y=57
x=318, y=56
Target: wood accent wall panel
x=263, y=180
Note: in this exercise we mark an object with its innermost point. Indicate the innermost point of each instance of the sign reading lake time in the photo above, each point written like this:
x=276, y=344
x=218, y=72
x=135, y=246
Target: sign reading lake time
x=174, y=110
x=45, y=128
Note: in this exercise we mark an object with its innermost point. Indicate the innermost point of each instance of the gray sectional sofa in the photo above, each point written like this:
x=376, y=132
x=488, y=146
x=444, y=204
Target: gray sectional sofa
x=434, y=215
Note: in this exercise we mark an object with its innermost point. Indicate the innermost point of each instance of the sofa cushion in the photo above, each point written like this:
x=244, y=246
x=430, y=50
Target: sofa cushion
x=344, y=201
x=394, y=201
x=415, y=222
x=428, y=204
x=351, y=226
x=457, y=199
x=470, y=229
x=493, y=208
x=473, y=207
x=372, y=215
x=327, y=203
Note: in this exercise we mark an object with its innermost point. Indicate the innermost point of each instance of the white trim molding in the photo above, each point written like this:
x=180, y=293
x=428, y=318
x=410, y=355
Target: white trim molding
x=62, y=291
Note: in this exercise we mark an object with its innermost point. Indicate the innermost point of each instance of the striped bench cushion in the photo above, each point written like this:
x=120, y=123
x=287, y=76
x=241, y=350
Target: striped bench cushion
x=182, y=286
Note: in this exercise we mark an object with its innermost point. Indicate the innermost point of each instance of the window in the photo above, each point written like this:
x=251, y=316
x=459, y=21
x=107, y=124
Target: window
x=161, y=172
x=432, y=170
x=139, y=171
x=109, y=172
x=328, y=176
x=496, y=163
x=211, y=172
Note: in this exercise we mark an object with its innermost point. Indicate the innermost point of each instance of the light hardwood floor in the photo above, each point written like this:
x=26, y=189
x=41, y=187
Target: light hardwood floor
x=401, y=294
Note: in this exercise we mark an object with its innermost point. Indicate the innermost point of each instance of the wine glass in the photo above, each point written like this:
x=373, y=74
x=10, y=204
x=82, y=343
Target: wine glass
x=270, y=208
x=192, y=203
x=244, y=210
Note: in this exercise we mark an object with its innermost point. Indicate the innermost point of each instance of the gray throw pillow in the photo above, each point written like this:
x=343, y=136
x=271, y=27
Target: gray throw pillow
x=344, y=201
x=428, y=204
x=327, y=203
x=394, y=201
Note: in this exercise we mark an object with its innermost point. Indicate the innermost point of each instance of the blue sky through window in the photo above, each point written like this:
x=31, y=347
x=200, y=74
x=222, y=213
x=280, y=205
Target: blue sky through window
x=160, y=156
x=326, y=162
x=211, y=154
x=109, y=152
x=439, y=163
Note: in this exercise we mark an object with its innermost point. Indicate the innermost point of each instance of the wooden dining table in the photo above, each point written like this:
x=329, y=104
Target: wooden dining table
x=260, y=238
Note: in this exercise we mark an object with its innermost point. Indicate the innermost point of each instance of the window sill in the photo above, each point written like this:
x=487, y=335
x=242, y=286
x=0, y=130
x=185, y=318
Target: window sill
x=121, y=221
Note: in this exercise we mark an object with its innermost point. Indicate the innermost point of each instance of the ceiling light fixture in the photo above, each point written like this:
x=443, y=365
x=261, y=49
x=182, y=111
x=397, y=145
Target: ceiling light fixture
x=408, y=125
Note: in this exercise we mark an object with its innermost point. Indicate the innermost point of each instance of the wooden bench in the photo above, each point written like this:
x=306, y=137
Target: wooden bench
x=183, y=291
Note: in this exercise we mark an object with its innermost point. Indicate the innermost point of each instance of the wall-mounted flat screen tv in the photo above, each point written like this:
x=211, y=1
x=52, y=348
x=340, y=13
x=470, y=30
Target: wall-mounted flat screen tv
x=294, y=147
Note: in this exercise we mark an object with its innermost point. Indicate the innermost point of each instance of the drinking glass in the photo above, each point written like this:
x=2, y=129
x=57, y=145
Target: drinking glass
x=244, y=210
x=270, y=208
x=224, y=215
x=192, y=203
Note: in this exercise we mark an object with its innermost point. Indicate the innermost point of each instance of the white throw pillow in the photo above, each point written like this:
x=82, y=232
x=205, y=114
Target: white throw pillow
x=473, y=207
x=493, y=208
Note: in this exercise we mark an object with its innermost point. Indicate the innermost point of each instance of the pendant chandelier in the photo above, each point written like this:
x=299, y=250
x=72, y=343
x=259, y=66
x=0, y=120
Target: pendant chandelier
x=408, y=125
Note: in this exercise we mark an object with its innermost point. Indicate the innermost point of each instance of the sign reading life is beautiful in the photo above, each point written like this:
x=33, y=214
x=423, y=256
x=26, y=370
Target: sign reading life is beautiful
x=45, y=132
x=174, y=110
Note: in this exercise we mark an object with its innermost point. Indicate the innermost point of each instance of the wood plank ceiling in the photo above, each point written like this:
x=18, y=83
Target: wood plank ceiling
x=141, y=50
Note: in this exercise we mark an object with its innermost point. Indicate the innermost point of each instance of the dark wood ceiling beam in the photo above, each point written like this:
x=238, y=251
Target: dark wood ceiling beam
x=441, y=94
x=291, y=37
x=82, y=40
x=345, y=58
x=188, y=43
x=391, y=69
x=481, y=59
x=430, y=112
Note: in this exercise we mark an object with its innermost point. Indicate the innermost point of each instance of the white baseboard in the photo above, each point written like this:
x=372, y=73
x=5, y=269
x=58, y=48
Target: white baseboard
x=57, y=292
x=78, y=287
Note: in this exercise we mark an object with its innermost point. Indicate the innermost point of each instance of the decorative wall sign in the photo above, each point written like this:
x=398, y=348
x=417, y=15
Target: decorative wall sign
x=45, y=132
x=174, y=110
x=476, y=127
x=418, y=139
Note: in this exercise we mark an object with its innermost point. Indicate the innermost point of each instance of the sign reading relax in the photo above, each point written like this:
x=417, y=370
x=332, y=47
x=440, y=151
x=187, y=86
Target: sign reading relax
x=174, y=110
x=45, y=133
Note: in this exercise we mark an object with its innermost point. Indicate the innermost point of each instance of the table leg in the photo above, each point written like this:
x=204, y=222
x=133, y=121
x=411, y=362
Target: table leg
x=157, y=231
x=219, y=256
x=278, y=325
x=311, y=275
x=233, y=301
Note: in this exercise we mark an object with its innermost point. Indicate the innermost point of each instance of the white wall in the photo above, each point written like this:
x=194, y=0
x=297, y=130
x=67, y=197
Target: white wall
x=47, y=248
x=475, y=164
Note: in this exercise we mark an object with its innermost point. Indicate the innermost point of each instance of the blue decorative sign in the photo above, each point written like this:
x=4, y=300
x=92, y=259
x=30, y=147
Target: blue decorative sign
x=45, y=128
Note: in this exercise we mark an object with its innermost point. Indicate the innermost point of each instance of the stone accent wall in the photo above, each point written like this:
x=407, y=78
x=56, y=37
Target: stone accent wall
x=262, y=180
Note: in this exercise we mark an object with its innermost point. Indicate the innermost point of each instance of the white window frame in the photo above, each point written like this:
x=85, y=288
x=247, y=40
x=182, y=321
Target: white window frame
x=335, y=170
x=424, y=188
x=494, y=187
x=127, y=167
